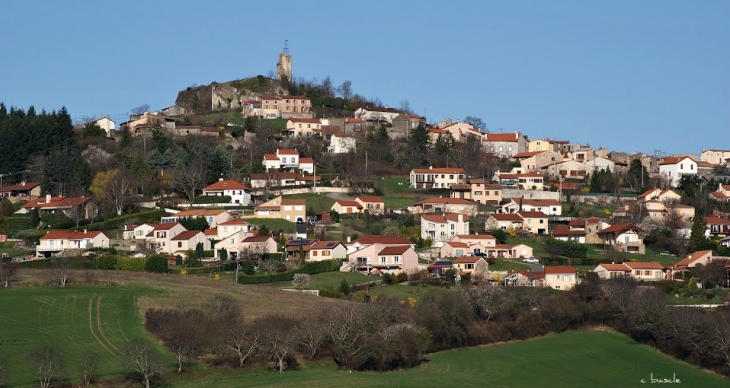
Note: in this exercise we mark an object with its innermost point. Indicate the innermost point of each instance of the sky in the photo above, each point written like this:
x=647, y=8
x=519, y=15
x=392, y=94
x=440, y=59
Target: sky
x=650, y=76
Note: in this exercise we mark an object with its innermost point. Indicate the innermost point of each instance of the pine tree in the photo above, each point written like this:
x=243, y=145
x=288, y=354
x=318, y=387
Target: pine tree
x=697, y=239
x=419, y=139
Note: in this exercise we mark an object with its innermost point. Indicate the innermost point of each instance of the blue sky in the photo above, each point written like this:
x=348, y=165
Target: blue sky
x=626, y=75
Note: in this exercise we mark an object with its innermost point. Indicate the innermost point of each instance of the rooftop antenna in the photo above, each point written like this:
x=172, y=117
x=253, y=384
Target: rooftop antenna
x=286, y=46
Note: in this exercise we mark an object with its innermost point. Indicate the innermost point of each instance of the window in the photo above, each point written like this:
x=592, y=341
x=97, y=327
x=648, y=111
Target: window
x=692, y=167
x=637, y=273
x=232, y=241
x=210, y=219
x=477, y=193
x=542, y=221
x=491, y=148
x=298, y=207
x=309, y=126
x=179, y=244
x=396, y=259
x=314, y=253
x=326, y=253
x=383, y=259
x=509, y=148
x=681, y=167
x=470, y=266
x=647, y=273
x=451, y=176
x=501, y=148
x=225, y=229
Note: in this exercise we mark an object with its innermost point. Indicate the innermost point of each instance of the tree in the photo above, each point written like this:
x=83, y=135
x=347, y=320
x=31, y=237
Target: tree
x=142, y=171
x=62, y=267
x=189, y=178
x=118, y=188
x=345, y=287
x=194, y=223
x=697, y=239
x=6, y=207
x=185, y=337
x=346, y=90
x=500, y=235
x=140, y=109
x=311, y=334
x=344, y=328
x=405, y=107
x=142, y=360
x=93, y=130
x=242, y=338
x=637, y=176
x=89, y=361
x=223, y=254
x=475, y=122
x=7, y=272
x=126, y=139
x=419, y=139
x=301, y=281
x=47, y=364
x=35, y=217
x=279, y=338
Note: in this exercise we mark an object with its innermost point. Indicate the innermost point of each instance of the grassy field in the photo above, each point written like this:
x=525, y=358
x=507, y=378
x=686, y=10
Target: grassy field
x=572, y=359
x=508, y=265
x=74, y=319
x=317, y=202
x=329, y=279
x=273, y=223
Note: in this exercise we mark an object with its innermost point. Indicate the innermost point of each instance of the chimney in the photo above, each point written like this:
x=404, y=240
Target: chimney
x=460, y=217
x=84, y=231
x=430, y=167
x=48, y=198
x=348, y=239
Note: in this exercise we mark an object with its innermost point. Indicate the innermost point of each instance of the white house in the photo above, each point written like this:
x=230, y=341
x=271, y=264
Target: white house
x=340, y=144
x=674, y=167
x=551, y=207
x=443, y=227
x=107, y=124
x=189, y=240
x=58, y=241
x=240, y=194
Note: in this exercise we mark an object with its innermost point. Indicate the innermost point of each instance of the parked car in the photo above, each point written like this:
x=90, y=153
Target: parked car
x=531, y=260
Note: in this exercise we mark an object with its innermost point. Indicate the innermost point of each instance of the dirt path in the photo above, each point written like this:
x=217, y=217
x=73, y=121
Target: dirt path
x=91, y=328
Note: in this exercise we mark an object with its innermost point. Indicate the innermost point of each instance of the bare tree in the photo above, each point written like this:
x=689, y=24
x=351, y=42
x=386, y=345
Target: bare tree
x=344, y=329
x=256, y=252
x=189, y=178
x=7, y=272
x=47, y=364
x=405, y=107
x=185, y=337
x=311, y=334
x=62, y=270
x=243, y=339
x=327, y=88
x=142, y=360
x=720, y=338
x=118, y=189
x=88, y=367
x=346, y=90
x=279, y=338
x=139, y=110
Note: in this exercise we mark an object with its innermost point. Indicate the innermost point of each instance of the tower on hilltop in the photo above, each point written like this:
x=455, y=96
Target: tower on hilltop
x=283, y=68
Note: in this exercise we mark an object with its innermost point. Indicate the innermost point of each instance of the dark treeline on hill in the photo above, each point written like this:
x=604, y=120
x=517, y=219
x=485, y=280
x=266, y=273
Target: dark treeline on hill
x=26, y=135
x=386, y=334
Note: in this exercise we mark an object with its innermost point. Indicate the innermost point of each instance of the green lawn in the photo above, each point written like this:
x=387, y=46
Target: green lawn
x=572, y=359
x=317, y=202
x=74, y=319
x=508, y=265
x=273, y=223
x=330, y=279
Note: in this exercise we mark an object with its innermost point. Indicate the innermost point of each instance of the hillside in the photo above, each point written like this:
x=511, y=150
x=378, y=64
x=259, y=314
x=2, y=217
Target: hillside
x=226, y=95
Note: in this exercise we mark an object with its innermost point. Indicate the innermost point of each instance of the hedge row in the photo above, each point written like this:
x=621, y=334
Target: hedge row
x=574, y=261
x=212, y=199
x=14, y=224
x=118, y=222
x=308, y=268
x=154, y=263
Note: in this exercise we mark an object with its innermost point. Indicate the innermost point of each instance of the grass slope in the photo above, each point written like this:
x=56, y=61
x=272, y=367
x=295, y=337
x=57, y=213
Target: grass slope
x=573, y=359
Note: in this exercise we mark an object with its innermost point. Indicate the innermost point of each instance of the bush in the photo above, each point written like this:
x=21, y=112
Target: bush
x=309, y=268
x=207, y=199
x=105, y=262
x=248, y=268
x=401, y=277
x=565, y=248
x=156, y=264
x=330, y=292
x=136, y=264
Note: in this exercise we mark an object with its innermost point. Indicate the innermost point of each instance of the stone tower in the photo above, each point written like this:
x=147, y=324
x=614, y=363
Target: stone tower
x=283, y=68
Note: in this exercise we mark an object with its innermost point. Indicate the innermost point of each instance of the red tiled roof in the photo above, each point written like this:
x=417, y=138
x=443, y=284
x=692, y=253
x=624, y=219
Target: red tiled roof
x=532, y=214
x=615, y=267
x=287, y=97
x=287, y=152
x=506, y=217
x=620, y=228
x=456, y=244
x=293, y=201
x=674, y=160
x=502, y=136
x=306, y=160
x=466, y=259
x=186, y=235
x=300, y=120
x=349, y=203
x=559, y=269
x=527, y=154
x=20, y=187
x=226, y=185
x=442, y=218
x=564, y=230
x=382, y=239
x=397, y=250
x=211, y=232
x=446, y=200
x=234, y=222
x=716, y=221
x=537, y=202
x=354, y=120
x=644, y=265
x=56, y=202
x=691, y=258
x=532, y=275
x=325, y=244
x=269, y=97
x=271, y=157
x=256, y=239
x=460, y=187
x=165, y=226
x=476, y=236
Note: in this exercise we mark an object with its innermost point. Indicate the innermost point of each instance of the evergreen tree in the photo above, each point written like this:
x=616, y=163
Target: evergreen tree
x=418, y=139
x=200, y=250
x=35, y=217
x=697, y=239
x=126, y=139
x=638, y=177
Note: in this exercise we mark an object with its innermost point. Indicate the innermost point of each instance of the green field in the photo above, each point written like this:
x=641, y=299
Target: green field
x=317, y=202
x=273, y=223
x=74, y=319
x=572, y=359
x=508, y=265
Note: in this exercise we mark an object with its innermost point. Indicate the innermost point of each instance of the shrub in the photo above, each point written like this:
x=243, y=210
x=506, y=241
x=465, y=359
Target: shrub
x=156, y=264
x=136, y=264
x=105, y=262
x=207, y=199
x=248, y=267
x=565, y=248
x=401, y=277
x=330, y=292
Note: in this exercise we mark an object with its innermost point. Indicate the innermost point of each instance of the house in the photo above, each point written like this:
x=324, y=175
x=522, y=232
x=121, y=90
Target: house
x=294, y=210
x=160, y=238
x=534, y=222
x=505, y=145
x=612, y=271
x=283, y=158
x=56, y=242
x=535, y=160
x=371, y=204
x=604, y=163
x=230, y=227
x=525, y=279
x=717, y=227
x=721, y=194
x=368, y=240
x=663, y=196
x=479, y=191
x=551, y=207
x=291, y=106
x=648, y=271
x=341, y=144
x=173, y=110
x=683, y=212
x=624, y=238
x=380, y=258
x=674, y=168
x=436, y=177
x=298, y=248
x=137, y=232
x=107, y=124
x=443, y=227
x=195, y=130
x=377, y=115
x=582, y=153
x=274, y=178
x=545, y=145
x=188, y=240
x=439, y=267
x=352, y=125
x=691, y=261
x=240, y=194
x=523, y=181
x=564, y=233
x=560, y=277
x=143, y=124
x=569, y=169
x=503, y=221
x=445, y=205
x=716, y=157
x=70, y=206
x=467, y=245
x=302, y=127
x=306, y=165
x=22, y=191
x=326, y=250
x=212, y=217
x=346, y=207
x=239, y=244
x=465, y=265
